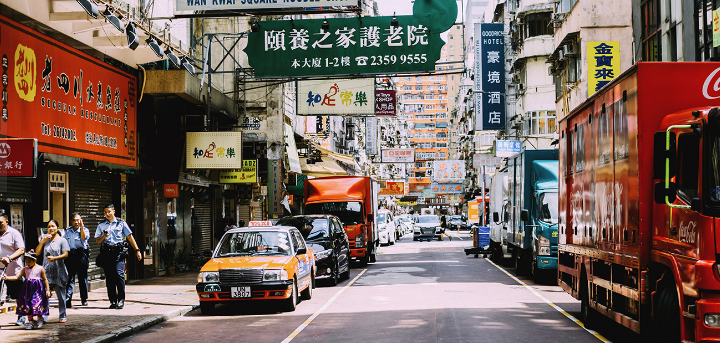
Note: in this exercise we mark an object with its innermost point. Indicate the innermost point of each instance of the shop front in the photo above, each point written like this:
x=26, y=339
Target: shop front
x=82, y=113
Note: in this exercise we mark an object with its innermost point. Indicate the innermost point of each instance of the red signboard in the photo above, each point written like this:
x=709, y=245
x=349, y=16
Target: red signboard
x=74, y=104
x=385, y=103
x=393, y=188
x=170, y=190
x=18, y=157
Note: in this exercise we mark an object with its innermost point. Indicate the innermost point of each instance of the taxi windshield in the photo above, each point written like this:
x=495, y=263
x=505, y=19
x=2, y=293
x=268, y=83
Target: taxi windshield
x=251, y=243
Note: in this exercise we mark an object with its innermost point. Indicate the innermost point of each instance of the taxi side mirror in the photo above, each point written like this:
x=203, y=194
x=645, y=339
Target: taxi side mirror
x=302, y=251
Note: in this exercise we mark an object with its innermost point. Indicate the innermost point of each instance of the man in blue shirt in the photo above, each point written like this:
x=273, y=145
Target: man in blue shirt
x=109, y=235
x=77, y=262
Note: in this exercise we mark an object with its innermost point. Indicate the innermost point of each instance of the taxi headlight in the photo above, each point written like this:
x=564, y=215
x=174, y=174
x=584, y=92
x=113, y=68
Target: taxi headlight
x=275, y=275
x=210, y=277
x=323, y=254
x=200, y=278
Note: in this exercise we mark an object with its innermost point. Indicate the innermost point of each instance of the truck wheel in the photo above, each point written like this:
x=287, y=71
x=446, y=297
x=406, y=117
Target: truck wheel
x=519, y=263
x=536, y=272
x=290, y=304
x=207, y=308
x=307, y=293
x=373, y=257
x=667, y=316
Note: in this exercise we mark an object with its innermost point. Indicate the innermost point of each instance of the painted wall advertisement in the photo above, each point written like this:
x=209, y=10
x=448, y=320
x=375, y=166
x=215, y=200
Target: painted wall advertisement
x=490, y=76
x=393, y=188
x=603, y=64
x=448, y=170
x=213, y=150
x=343, y=46
x=248, y=173
x=74, y=104
x=243, y=5
x=336, y=97
x=385, y=103
x=398, y=156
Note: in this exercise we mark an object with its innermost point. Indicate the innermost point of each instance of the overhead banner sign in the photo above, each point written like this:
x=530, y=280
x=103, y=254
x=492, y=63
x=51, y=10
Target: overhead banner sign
x=490, y=59
x=603, y=64
x=18, y=157
x=367, y=45
x=446, y=188
x=487, y=161
x=448, y=170
x=385, y=103
x=213, y=150
x=393, y=188
x=336, y=97
x=398, y=156
x=257, y=5
x=248, y=173
x=507, y=148
x=74, y=104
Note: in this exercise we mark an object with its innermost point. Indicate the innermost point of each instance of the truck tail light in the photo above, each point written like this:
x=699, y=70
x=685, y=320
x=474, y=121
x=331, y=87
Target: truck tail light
x=644, y=291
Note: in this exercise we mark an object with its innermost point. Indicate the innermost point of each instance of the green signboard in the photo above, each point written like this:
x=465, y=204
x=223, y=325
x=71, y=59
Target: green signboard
x=367, y=45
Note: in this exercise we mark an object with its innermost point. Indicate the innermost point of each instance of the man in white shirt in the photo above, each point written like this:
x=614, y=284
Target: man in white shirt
x=12, y=247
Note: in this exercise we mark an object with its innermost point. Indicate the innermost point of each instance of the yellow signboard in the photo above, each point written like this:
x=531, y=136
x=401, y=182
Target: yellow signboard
x=407, y=203
x=716, y=27
x=248, y=174
x=603, y=64
x=473, y=212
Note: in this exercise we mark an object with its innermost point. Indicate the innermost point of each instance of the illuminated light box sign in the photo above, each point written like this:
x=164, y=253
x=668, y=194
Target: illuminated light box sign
x=214, y=150
x=336, y=97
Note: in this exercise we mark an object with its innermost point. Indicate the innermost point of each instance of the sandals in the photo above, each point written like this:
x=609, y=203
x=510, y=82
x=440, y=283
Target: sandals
x=64, y=320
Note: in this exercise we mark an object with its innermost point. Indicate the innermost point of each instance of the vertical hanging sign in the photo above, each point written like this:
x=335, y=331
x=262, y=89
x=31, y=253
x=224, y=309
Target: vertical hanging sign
x=490, y=76
x=371, y=133
x=603, y=64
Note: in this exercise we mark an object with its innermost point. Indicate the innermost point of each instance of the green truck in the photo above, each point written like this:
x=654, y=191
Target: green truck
x=532, y=234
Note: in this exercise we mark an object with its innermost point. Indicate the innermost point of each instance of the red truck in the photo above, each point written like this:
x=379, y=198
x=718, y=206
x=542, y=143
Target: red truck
x=353, y=199
x=640, y=200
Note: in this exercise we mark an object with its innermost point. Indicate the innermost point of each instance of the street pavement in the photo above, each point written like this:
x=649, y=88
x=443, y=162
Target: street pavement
x=147, y=302
x=415, y=292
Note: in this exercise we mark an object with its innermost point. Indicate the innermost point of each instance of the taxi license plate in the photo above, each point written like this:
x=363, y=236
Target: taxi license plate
x=240, y=292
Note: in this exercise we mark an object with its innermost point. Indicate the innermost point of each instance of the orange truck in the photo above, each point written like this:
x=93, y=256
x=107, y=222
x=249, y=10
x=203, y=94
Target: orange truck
x=353, y=199
x=639, y=207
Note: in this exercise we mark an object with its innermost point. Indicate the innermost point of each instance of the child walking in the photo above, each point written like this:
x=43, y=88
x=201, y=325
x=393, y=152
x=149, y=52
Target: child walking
x=34, y=294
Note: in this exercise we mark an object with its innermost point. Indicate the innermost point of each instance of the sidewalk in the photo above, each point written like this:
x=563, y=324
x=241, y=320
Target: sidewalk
x=147, y=302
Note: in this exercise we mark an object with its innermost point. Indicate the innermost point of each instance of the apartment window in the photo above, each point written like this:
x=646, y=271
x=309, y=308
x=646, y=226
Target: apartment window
x=537, y=24
x=407, y=96
x=651, y=30
x=442, y=135
x=408, y=78
x=451, y=47
x=419, y=88
x=704, y=31
x=431, y=78
x=428, y=87
x=408, y=88
x=415, y=97
x=540, y=123
x=428, y=96
x=418, y=79
x=450, y=37
x=441, y=97
x=428, y=107
x=442, y=145
x=441, y=155
x=419, y=174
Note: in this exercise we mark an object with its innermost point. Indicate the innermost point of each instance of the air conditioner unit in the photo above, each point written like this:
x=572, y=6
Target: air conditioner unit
x=561, y=55
x=516, y=79
x=570, y=49
x=521, y=86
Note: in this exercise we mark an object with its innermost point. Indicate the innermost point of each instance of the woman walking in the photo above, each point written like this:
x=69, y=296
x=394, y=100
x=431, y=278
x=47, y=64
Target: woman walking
x=55, y=250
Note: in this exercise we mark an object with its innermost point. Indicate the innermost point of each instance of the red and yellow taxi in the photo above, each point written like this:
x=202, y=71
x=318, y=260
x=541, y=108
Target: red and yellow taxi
x=260, y=261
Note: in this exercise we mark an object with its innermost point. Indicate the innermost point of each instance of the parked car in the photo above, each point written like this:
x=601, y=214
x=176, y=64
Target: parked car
x=328, y=240
x=258, y=263
x=427, y=221
x=456, y=222
x=408, y=220
x=386, y=227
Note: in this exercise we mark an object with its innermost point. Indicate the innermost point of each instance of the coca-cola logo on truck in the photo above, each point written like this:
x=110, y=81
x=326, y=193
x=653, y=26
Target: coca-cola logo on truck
x=716, y=85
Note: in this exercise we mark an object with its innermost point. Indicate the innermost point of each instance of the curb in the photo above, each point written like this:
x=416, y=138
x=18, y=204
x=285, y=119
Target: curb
x=140, y=326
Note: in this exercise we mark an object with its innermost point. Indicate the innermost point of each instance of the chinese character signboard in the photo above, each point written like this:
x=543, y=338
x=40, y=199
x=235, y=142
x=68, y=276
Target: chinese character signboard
x=490, y=57
x=256, y=5
x=603, y=64
x=507, y=148
x=213, y=150
x=473, y=212
x=248, y=173
x=371, y=135
x=18, y=157
x=275, y=208
x=393, y=188
x=486, y=160
x=385, y=103
x=367, y=45
x=74, y=104
x=448, y=170
x=57, y=182
x=446, y=188
x=170, y=190
x=336, y=97
x=398, y=156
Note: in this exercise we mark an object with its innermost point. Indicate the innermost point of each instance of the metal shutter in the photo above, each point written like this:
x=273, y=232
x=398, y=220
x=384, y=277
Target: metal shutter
x=244, y=214
x=92, y=191
x=202, y=228
x=16, y=189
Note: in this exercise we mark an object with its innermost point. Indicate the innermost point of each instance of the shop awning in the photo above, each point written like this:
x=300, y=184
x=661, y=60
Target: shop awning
x=326, y=167
x=338, y=157
x=291, y=148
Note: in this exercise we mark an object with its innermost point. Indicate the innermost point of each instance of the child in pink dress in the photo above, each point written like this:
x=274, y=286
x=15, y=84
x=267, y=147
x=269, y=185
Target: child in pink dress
x=34, y=294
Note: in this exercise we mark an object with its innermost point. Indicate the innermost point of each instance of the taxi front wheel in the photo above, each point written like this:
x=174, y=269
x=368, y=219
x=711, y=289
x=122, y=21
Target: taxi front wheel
x=207, y=308
x=291, y=303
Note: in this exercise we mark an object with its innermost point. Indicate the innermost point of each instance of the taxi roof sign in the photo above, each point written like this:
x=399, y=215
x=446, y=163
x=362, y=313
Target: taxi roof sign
x=260, y=223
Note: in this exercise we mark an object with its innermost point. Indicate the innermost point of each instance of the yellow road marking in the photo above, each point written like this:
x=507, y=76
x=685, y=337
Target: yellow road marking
x=557, y=308
x=317, y=313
